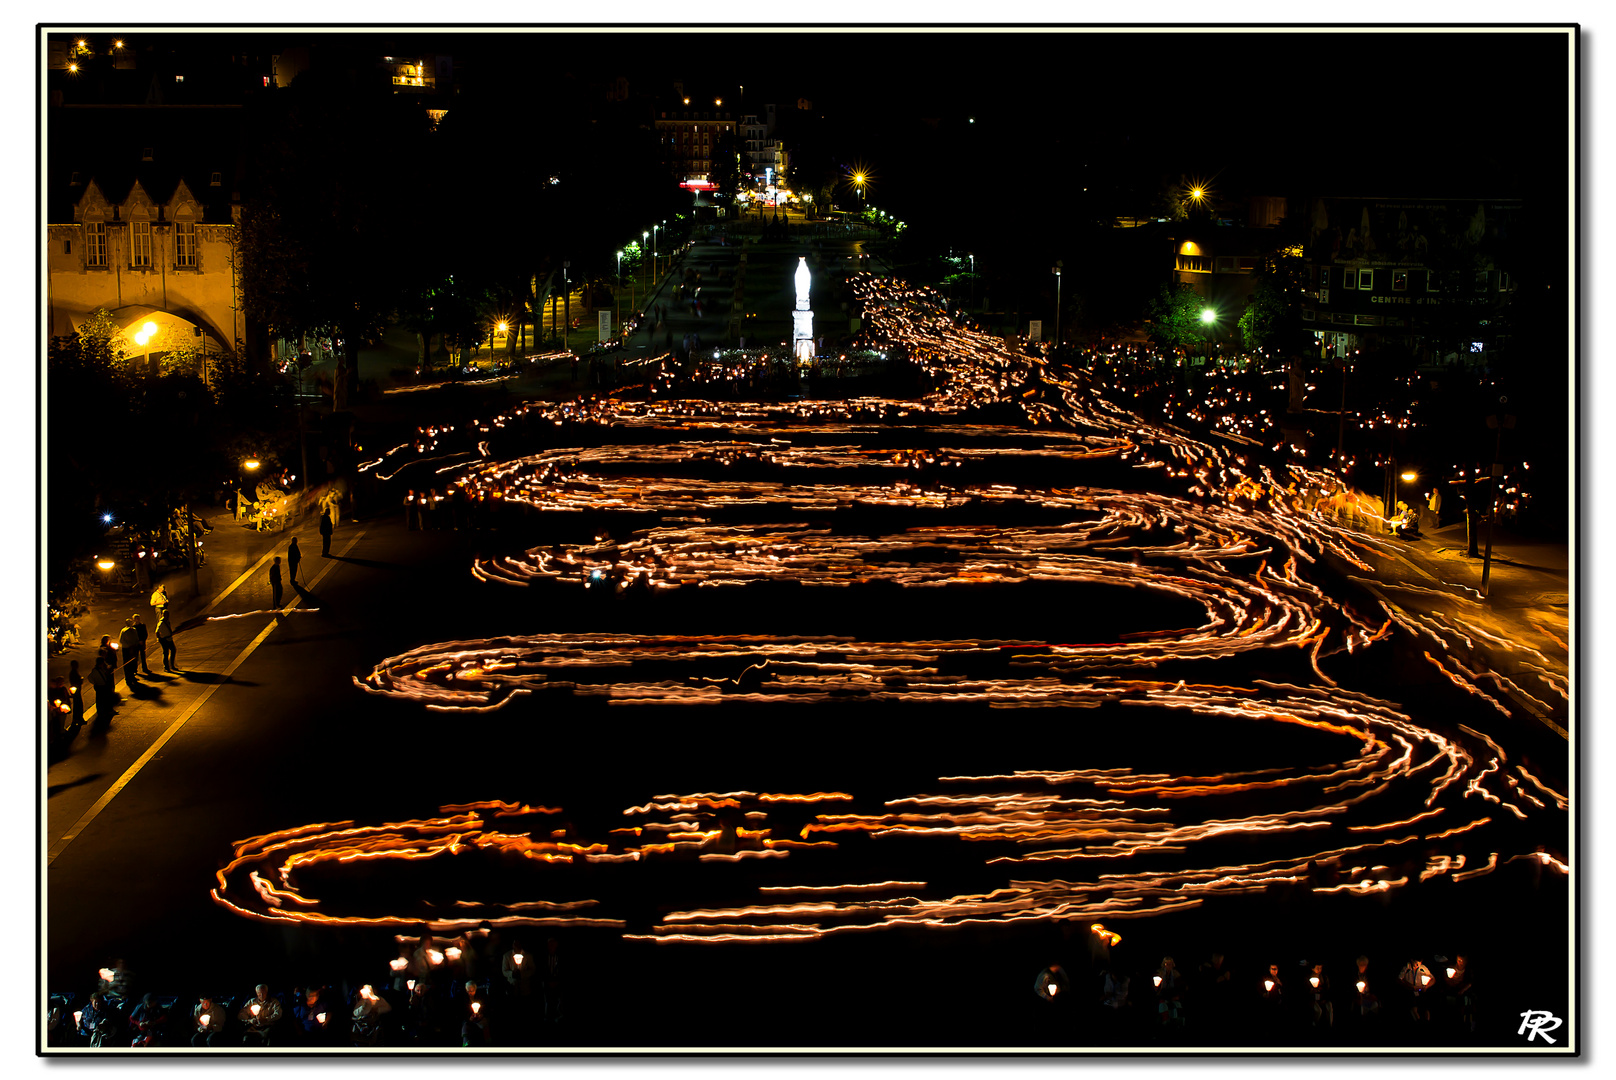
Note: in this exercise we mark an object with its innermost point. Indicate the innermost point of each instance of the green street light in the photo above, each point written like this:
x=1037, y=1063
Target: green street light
x=1209, y=316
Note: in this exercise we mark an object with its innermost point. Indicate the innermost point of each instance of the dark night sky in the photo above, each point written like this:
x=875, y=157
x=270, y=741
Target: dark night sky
x=1394, y=112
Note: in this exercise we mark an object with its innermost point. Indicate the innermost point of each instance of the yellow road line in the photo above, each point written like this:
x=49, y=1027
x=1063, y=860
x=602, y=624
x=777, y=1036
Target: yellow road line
x=173, y=729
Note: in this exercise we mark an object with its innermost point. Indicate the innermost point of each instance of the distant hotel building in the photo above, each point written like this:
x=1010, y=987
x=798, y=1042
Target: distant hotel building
x=689, y=134
x=1411, y=273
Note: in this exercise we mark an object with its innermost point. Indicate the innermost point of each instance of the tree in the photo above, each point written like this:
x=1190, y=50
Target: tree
x=1175, y=316
x=1273, y=319
x=325, y=226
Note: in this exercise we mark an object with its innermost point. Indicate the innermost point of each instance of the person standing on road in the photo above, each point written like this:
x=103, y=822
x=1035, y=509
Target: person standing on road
x=159, y=600
x=165, y=638
x=275, y=583
x=325, y=534
x=141, y=634
x=293, y=557
x=128, y=647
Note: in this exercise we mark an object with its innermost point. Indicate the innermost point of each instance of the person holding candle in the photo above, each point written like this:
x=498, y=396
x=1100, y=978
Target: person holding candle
x=1170, y=987
x=207, y=1021
x=310, y=1015
x=1051, y=983
x=518, y=966
x=1319, y=990
x=1456, y=990
x=95, y=1018
x=475, y=1031
x=369, y=1008
x=1416, y=979
x=260, y=1015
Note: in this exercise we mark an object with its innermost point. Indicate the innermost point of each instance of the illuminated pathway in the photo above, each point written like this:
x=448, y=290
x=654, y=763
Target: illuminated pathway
x=725, y=497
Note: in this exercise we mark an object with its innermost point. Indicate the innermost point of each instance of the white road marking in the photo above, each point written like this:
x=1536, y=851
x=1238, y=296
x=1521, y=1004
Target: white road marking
x=173, y=729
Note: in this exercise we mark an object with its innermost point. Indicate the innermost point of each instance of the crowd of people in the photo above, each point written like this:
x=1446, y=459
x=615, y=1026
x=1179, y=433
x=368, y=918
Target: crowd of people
x=1427, y=1000
x=480, y=989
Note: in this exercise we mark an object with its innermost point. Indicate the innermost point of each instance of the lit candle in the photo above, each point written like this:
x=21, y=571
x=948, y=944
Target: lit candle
x=320, y=1017
x=452, y=952
x=205, y=1018
x=1156, y=979
x=1268, y=984
x=433, y=956
x=1451, y=972
x=1054, y=988
x=1314, y=979
x=77, y=1016
x=1362, y=986
x=106, y=973
x=1425, y=978
x=398, y=963
x=517, y=958
x=476, y=1007
x=255, y=1008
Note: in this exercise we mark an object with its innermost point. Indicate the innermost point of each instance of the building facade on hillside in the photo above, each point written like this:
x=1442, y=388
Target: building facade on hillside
x=761, y=152
x=147, y=257
x=689, y=138
x=1429, y=276
x=1219, y=254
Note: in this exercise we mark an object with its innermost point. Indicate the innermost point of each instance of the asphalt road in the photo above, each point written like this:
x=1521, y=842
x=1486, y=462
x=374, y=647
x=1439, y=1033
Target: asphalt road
x=288, y=740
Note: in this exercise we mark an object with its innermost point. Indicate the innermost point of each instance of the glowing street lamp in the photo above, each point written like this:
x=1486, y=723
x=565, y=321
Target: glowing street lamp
x=251, y=464
x=646, y=236
x=147, y=331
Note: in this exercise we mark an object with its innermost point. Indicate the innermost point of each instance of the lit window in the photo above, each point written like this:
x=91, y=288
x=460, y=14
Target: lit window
x=185, y=244
x=140, y=243
x=1399, y=281
x=1366, y=280
x=95, y=237
x=1503, y=281
x=1349, y=279
x=145, y=153
x=179, y=78
x=216, y=180
x=1481, y=281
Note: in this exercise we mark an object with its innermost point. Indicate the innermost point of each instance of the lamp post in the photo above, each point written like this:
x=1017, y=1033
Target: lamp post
x=143, y=339
x=1056, y=270
x=972, y=256
x=646, y=236
x=1499, y=421
x=1209, y=318
x=617, y=303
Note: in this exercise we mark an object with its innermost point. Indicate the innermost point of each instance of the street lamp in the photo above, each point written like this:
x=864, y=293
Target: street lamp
x=972, y=256
x=143, y=339
x=617, y=304
x=1209, y=319
x=646, y=236
x=1056, y=270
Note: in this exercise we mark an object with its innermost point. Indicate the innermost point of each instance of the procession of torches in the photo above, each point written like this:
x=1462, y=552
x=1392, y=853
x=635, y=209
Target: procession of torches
x=740, y=494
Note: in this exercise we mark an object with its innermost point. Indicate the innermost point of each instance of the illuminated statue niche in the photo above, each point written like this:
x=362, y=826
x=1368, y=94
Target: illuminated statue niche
x=802, y=319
